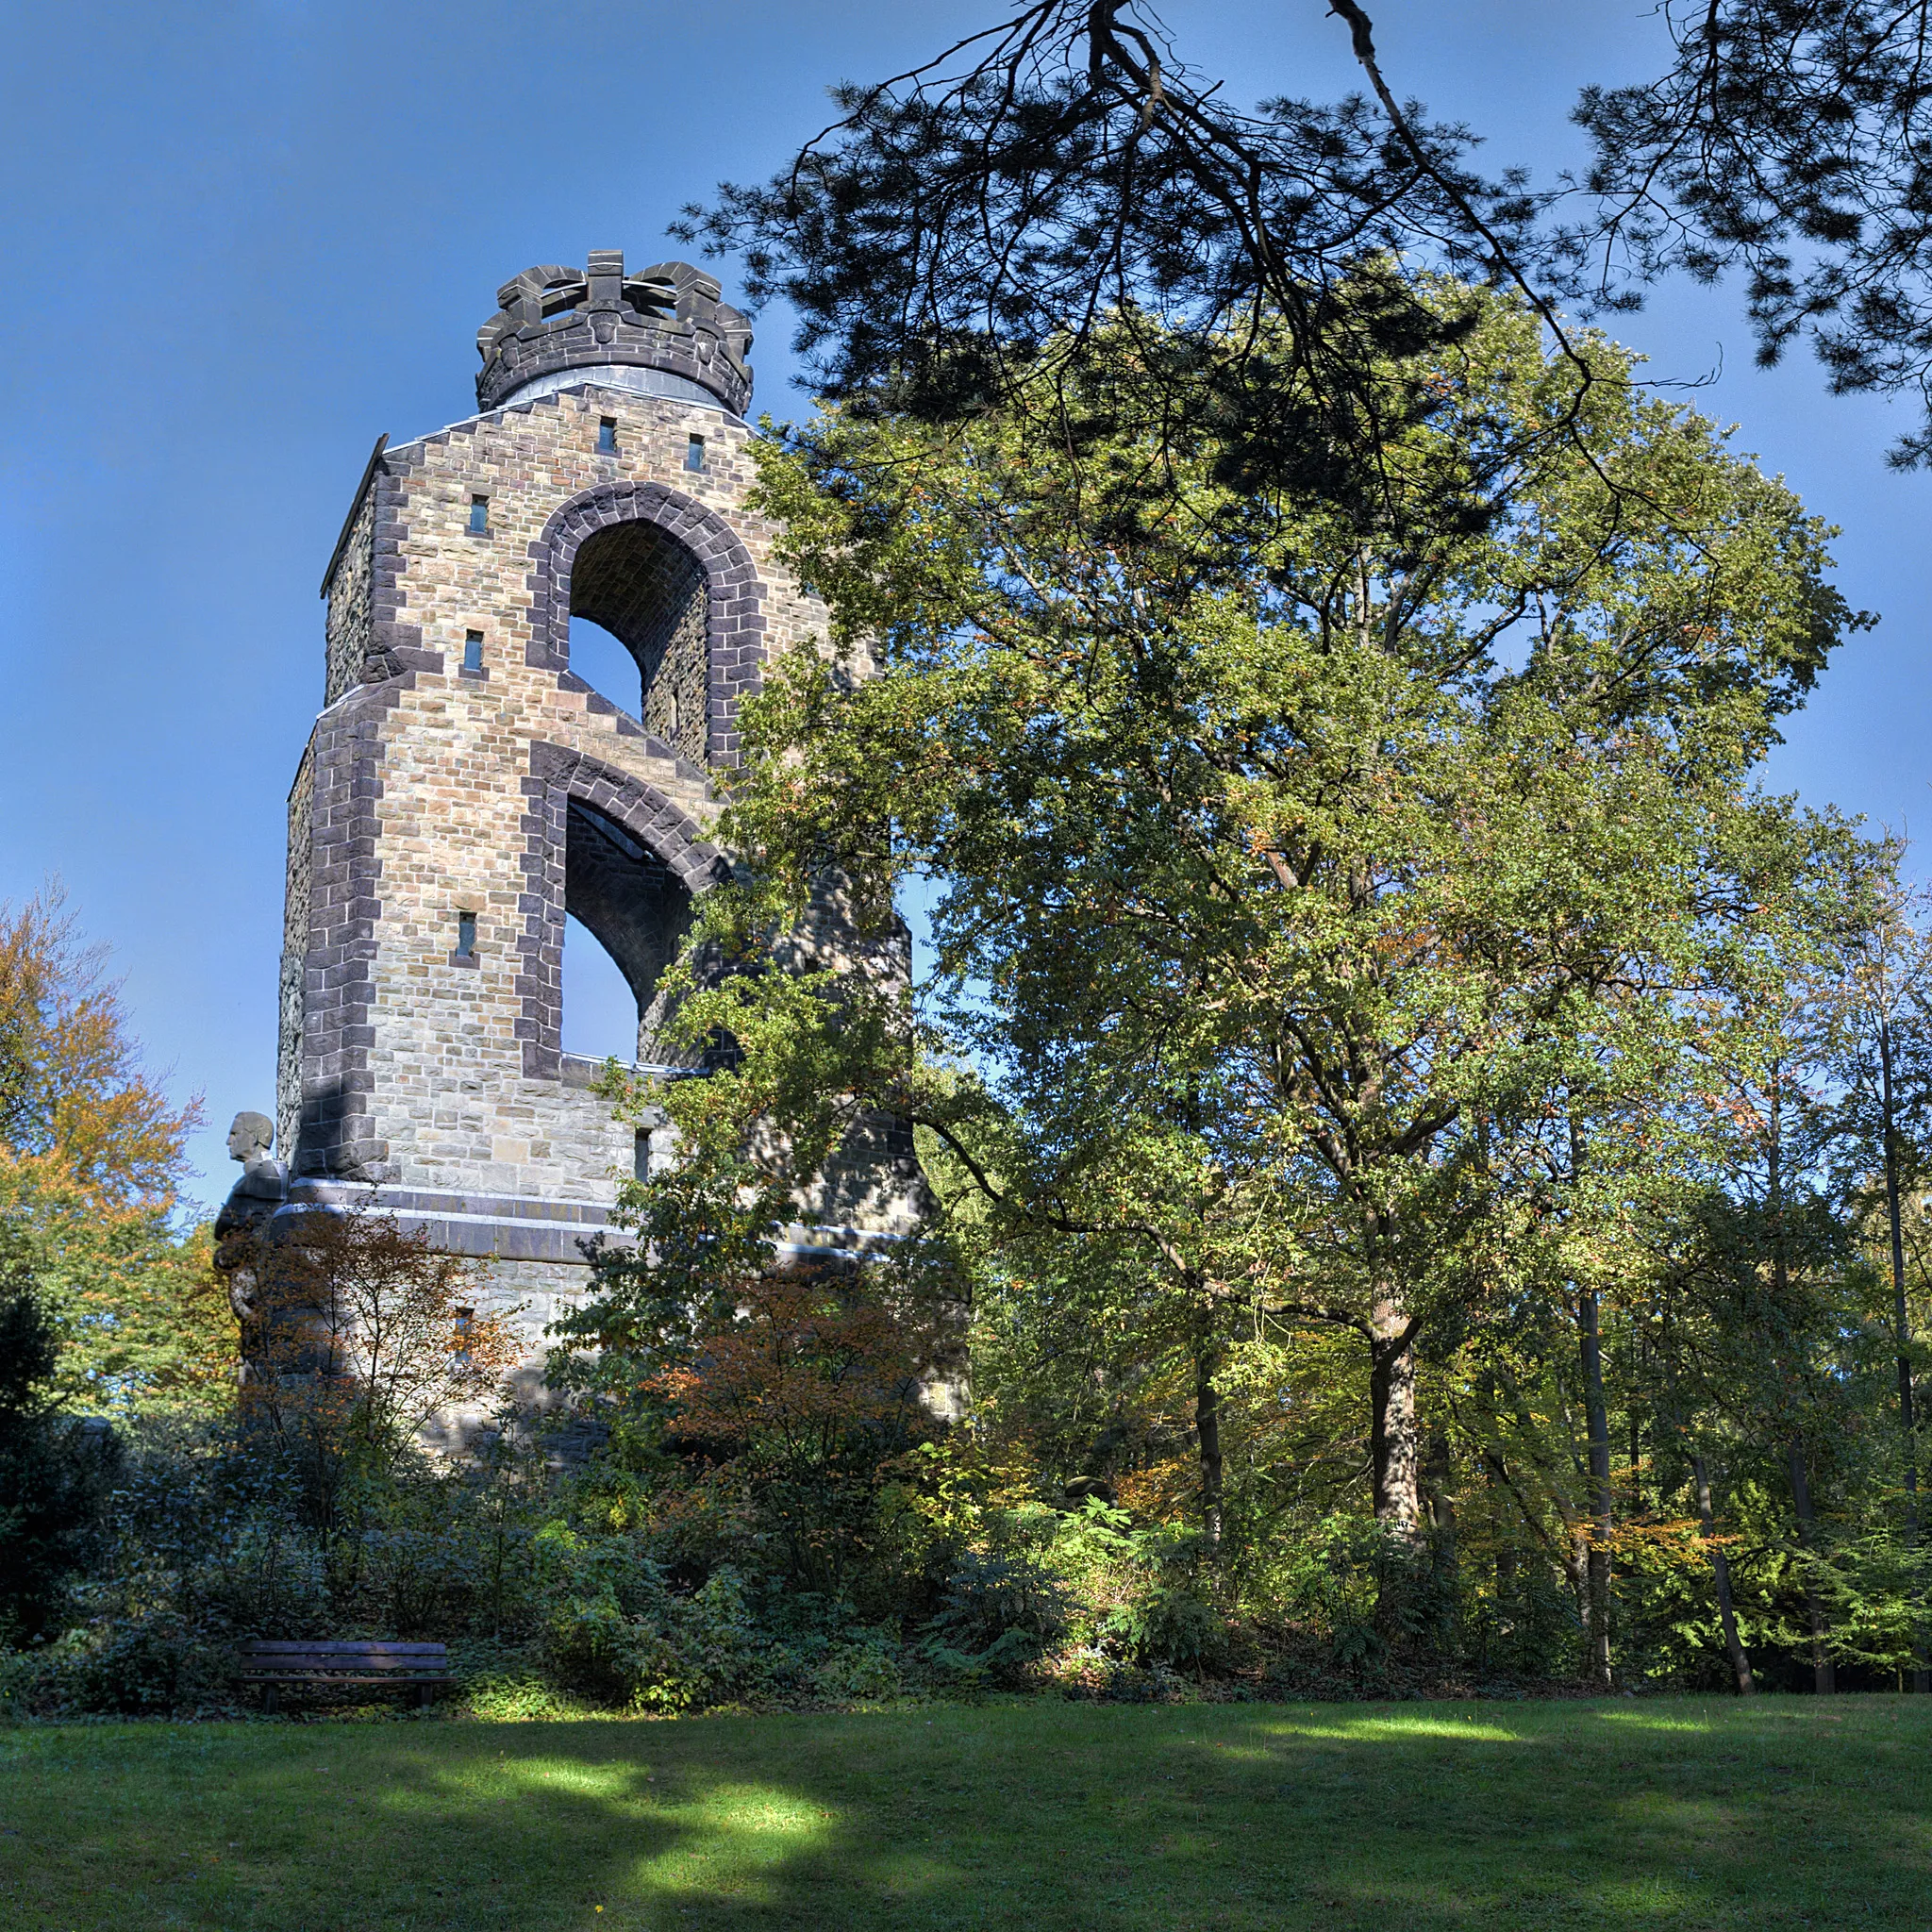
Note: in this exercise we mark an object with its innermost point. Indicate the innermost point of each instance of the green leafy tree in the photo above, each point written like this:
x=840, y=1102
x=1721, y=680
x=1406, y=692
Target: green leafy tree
x=1866, y=1120
x=770, y=1404
x=91, y=1161
x=53, y=1475
x=1286, y=860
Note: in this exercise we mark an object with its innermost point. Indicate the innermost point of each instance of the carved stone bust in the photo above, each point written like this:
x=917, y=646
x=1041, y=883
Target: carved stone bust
x=241, y=1225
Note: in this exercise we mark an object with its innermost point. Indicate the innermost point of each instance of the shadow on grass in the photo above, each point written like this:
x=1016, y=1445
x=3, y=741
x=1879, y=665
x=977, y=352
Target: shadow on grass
x=1037, y=1815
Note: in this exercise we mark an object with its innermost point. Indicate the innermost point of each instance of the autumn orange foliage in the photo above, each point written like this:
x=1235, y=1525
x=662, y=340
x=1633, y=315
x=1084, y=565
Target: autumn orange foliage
x=804, y=1366
x=792, y=1416
x=92, y=1152
x=78, y=1117
x=353, y=1302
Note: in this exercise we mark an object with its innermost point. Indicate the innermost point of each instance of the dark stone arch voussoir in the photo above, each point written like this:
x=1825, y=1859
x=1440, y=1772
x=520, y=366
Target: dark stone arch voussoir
x=664, y=828
x=734, y=608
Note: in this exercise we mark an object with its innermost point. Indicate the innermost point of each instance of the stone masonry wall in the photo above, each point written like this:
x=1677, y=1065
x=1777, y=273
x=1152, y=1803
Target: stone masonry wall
x=295, y=916
x=431, y=792
x=437, y=1067
x=674, y=683
x=350, y=619
x=532, y=1295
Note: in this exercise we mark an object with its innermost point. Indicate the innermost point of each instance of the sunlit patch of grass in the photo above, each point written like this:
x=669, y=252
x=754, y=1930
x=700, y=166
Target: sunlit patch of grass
x=736, y=1841
x=1402, y=1724
x=1652, y=1721
x=1646, y=1898
x=607, y=1782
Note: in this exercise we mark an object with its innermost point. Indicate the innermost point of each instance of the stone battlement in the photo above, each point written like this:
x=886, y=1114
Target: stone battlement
x=664, y=322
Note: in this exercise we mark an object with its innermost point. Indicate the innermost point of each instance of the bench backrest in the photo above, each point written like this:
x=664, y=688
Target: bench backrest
x=400, y=1660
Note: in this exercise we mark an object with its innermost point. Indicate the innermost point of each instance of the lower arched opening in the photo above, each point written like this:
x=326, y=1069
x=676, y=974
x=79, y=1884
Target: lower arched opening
x=628, y=900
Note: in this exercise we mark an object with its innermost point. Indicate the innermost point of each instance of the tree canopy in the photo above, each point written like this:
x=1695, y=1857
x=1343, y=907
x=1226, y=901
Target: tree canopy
x=91, y=1165
x=1067, y=164
x=1300, y=878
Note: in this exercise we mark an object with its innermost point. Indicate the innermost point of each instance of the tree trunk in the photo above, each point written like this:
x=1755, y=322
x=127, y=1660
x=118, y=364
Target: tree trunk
x=1207, y=1435
x=1576, y=1573
x=1597, y=1425
x=1439, y=1484
x=1438, y=1488
x=1394, y=1448
x=1721, y=1575
x=1824, y=1676
x=1902, y=1343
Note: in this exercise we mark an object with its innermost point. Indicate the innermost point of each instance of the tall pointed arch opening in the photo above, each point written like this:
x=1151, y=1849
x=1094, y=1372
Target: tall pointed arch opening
x=648, y=592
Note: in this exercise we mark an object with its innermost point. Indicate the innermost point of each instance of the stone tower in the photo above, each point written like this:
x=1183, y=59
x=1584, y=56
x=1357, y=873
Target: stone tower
x=463, y=787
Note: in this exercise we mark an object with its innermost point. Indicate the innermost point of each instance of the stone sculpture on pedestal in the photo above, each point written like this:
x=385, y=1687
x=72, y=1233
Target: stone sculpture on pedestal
x=242, y=1228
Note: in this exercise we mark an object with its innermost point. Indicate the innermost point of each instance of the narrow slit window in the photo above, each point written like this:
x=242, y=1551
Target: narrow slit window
x=466, y=935
x=473, y=650
x=694, y=454
x=479, y=515
x=606, y=436
x=640, y=1164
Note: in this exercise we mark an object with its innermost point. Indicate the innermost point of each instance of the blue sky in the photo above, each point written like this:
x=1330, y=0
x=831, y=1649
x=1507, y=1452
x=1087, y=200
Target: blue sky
x=244, y=239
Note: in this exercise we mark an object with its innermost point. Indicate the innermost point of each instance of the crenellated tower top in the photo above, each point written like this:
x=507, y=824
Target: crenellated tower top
x=660, y=331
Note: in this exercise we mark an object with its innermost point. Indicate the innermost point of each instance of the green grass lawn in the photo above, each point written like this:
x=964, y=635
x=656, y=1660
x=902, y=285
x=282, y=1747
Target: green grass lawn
x=1664, y=1812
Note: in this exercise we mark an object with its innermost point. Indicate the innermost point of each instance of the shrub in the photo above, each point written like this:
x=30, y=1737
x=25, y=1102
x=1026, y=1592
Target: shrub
x=501, y=1684
x=54, y=1474
x=1140, y=1592
x=1001, y=1607
x=28, y=1686
x=153, y=1665
x=1374, y=1592
x=1166, y=1622
x=989, y=1595
x=593, y=1648
x=866, y=1669
x=269, y=1581
x=632, y=1641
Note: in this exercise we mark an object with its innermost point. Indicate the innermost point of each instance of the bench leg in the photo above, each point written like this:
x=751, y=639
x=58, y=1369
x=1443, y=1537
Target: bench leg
x=423, y=1691
x=271, y=1699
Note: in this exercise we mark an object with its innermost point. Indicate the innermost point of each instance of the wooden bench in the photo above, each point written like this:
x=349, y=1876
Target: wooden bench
x=273, y=1664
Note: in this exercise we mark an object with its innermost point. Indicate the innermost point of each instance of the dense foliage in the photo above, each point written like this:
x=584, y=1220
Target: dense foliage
x=53, y=1473
x=92, y=1160
x=1428, y=1160
x=1360, y=1064
x=963, y=232
x=1416, y=1134
x=1785, y=144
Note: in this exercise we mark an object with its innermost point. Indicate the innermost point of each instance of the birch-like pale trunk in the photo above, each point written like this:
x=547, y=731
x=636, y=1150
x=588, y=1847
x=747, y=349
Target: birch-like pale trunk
x=1394, y=1445
x=1597, y=1429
